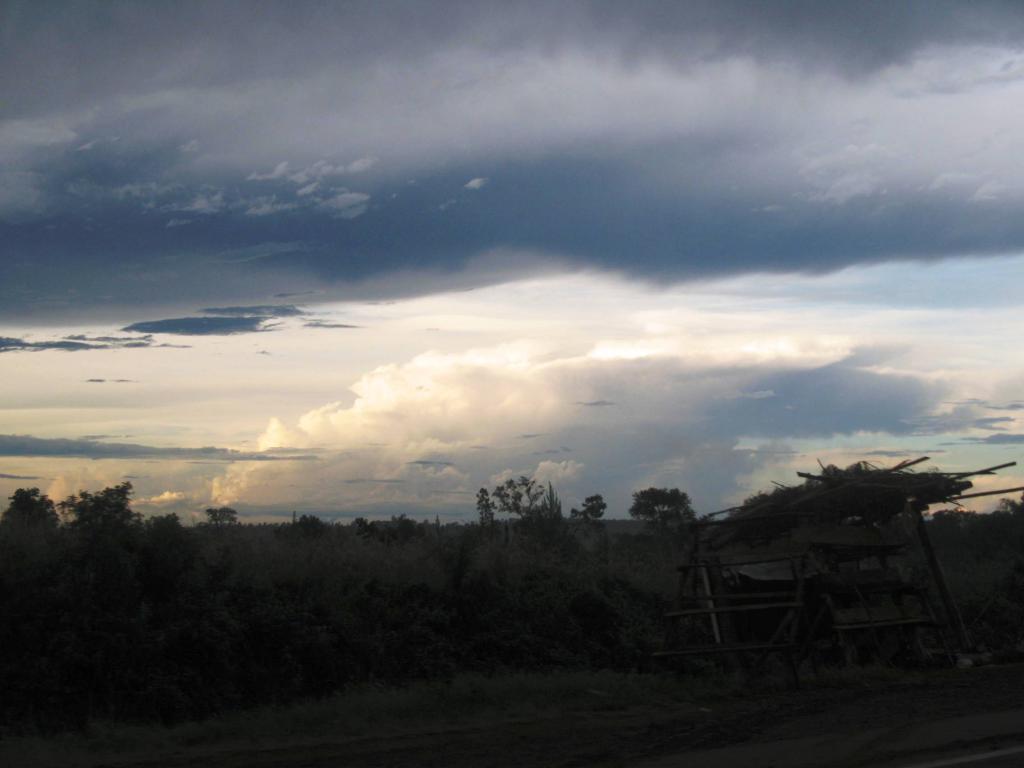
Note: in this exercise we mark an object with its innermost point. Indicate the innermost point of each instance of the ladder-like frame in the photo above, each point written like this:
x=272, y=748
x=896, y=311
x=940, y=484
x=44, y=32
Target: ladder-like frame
x=704, y=576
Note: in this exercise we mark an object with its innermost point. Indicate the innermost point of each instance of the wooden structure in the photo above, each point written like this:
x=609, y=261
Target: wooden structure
x=821, y=571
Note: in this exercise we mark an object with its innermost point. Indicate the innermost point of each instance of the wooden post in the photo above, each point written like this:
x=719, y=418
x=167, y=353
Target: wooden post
x=711, y=604
x=952, y=611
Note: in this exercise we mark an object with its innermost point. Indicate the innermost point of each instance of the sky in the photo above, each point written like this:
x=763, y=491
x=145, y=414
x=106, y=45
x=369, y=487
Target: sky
x=366, y=258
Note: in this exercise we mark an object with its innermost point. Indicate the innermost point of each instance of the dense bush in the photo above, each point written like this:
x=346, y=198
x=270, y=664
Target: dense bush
x=107, y=615
x=983, y=558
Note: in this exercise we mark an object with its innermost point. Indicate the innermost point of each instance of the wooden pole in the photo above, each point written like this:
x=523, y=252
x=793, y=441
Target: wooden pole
x=716, y=631
x=952, y=611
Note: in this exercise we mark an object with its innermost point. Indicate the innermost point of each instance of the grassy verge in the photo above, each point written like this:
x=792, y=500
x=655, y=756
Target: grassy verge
x=466, y=701
x=374, y=711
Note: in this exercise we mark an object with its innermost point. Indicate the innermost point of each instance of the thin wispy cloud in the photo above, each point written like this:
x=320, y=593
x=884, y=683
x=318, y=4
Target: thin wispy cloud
x=30, y=446
x=77, y=343
x=327, y=324
x=203, y=326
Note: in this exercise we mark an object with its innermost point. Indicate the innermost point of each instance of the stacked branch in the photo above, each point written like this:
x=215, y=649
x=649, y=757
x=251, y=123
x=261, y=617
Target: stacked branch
x=861, y=494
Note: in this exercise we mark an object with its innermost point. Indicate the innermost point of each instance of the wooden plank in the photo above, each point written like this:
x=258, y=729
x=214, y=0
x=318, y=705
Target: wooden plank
x=741, y=595
x=727, y=564
x=729, y=609
x=716, y=630
x=888, y=623
x=986, y=470
x=952, y=610
x=986, y=493
x=907, y=463
x=701, y=649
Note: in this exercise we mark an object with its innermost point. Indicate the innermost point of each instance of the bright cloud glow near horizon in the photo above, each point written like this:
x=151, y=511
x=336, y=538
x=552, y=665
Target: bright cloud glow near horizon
x=693, y=245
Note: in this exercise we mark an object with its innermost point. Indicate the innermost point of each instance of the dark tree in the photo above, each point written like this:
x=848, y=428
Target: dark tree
x=663, y=509
x=1012, y=507
x=364, y=528
x=485, y=508
x=109, y=509
x=30, y=509
x=519, y=497
x=220, y=517
x=591, y=512
x=310, y=526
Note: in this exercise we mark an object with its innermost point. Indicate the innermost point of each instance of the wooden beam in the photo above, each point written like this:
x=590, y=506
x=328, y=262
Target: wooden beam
x=986, y=493
x=952, y=611
x=729, y=609
x=741, y=596
x=733, y=648
x=881, y=623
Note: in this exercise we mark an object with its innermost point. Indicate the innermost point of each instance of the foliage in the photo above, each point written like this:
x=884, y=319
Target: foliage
x=664, y=510
x=30, y=509
x=221, y=516
x=107, y=510
x=591, y=512
x=485, y=508
x=551, y=505
x=519, y=497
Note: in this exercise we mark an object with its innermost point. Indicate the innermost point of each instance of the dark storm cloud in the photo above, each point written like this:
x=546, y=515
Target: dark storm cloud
x=29, y=446
x=581, y=212
x=203, y=326
x=834, y=399
x=85, y=51
x=596, y=403
x=175, y=155
x=4, y=476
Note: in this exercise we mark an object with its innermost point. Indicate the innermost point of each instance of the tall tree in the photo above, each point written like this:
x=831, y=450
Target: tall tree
x=485, y=508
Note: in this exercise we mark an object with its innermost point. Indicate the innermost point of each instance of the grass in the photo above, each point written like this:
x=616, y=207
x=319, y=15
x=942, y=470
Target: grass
x=376, y=711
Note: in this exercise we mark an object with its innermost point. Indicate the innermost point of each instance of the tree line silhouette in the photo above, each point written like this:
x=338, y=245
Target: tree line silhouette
x=105, y=614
